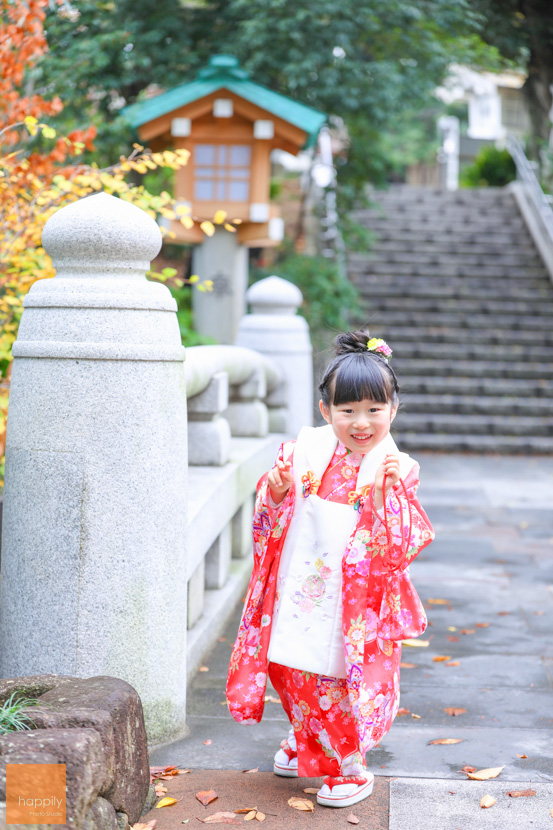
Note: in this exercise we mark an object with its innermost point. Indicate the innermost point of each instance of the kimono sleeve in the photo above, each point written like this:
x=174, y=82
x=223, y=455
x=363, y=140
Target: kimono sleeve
x=403, y=529
x=268, y=516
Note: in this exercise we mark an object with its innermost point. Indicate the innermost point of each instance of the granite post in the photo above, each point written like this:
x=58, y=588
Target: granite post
x=94, y=556
x=274, y=328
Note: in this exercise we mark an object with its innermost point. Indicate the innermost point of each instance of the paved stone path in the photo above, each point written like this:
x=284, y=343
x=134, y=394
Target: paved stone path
x=492, y=563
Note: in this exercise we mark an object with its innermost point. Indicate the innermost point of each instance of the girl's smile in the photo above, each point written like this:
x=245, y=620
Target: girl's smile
x=359, y=425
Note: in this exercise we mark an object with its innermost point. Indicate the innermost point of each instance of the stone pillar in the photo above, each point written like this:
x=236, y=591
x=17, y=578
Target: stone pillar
x=223, y=260
x=94, y=570
x=275, y=329
x=448, y=155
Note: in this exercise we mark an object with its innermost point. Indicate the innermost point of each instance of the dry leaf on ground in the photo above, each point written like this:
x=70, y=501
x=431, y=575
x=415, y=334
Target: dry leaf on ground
x=519, y=793
x=466, y=630
x=485, y=774
x=446, y=741
x=522, y=756
x=260, y=816
x=416, y=642
x=221, y=818
x=203, y=668
x=141, y=826
x=184, y=771
x=487, y=801
x=454, y=710
x=352, y=819
x=481, y=625
x=311, y=790
x=166, y=802
x=222, y=640
x=159, y=789
x=438, y=601
x=303, y=804
x=250, y=815
x=452, y=663
x=205, y=797
x=408, y=666
x=208, y=742
x=452, y=639
x=467, y=768
x=246, y=771
x=440, y=658
x=271, y=699
x=417, y=717
x=403, y=711
x=503, y=613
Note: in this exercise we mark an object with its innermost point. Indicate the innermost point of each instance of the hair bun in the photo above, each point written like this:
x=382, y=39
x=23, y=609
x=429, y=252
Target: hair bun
x=352, y=342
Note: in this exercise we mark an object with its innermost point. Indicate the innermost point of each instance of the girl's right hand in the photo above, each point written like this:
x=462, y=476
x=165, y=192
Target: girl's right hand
x=280, y=480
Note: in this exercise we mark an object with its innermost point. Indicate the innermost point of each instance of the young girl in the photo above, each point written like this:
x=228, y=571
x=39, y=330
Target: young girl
x=336, y=525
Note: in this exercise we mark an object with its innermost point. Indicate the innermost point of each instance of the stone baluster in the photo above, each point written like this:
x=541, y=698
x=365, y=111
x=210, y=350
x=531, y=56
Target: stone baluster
x=275, y=329
x=208, y=432
x=94, y=557
x=246, y=413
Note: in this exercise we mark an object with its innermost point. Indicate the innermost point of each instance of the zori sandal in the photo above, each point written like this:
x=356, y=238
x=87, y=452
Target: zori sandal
x=345, y=790
x=286, y=759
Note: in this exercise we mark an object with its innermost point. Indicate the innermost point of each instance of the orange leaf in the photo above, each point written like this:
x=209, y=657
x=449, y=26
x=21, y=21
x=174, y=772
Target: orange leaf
x=467, y=768
x=454, y=710
x=446, y=741
x=487, y=801
x=408, y=666
x=522, y=756
x=438, y=601
x=311, y=790
x=440, y=658
x=485, y=774
x=400, y=712
x=452, y=663
x=481, y=625
x=208, y=742
x=519, y=793
x=466, y=630
x=203, y=668
x=452, y=639
x=205, y=797
x=352, y=819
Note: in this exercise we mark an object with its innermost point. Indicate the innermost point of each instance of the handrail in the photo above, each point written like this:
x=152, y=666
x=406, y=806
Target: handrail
x=527, y=175
x=240, y=363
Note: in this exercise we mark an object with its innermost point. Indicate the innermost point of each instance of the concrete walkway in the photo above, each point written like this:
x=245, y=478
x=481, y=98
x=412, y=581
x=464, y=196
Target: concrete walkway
x=491, y=567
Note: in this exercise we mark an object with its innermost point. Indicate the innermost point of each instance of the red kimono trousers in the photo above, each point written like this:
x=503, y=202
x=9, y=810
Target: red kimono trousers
x=380, y=607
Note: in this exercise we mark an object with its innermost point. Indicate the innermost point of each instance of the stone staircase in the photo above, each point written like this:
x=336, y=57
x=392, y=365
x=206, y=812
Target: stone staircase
x=456, y=286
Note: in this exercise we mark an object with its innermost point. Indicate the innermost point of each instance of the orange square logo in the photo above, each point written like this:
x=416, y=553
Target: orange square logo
x=35, y=794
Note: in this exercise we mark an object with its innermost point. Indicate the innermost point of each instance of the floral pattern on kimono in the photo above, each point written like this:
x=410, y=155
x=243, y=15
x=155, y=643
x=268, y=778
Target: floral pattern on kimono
x=380, y=605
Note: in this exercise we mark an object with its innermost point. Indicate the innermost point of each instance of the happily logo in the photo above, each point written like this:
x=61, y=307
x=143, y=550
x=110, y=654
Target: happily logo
x=35, y=794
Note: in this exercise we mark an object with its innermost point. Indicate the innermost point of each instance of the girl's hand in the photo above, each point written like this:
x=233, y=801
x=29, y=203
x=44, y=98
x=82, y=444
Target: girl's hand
x=280, y=480
x=390, y=467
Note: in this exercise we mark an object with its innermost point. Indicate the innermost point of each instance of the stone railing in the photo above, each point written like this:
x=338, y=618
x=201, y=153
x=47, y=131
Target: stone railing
x=107, y=530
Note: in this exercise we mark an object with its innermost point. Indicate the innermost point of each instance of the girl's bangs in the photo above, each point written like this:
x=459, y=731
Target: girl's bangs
x=359, y=379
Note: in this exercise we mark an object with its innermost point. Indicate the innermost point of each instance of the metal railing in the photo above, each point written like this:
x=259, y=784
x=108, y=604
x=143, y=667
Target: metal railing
x=527, y=175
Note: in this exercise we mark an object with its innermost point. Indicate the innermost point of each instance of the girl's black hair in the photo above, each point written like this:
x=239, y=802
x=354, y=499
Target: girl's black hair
x=356, y=374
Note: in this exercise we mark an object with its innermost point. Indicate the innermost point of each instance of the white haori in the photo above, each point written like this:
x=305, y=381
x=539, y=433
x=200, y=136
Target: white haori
x=306, y=631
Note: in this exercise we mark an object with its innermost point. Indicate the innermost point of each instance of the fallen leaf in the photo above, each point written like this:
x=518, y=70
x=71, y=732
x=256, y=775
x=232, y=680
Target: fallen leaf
x=440, y=658
x=400, y=712
x=446, y=741
x=466, y=630
x=438, y=601
x=159, y=789
x=247, y=809
x=503, y=613
x=416, y=642
x=467, y=768
x=246, y=771
x=311, y=790
x=303, y=804
x=203, y=668
x=452, y=663
x=408, y=666
x=166, y=802
x=487, y=801
x=551, y=812
x=452, y=628
x=452, y=639
x=250, y=815
x=184, y=771
x=418, y=717
x=221, y=818
x=452, y=792
x=208, y=742
x=260, y=816
x=222, y=640
x=522, y=756
x=481, y=625
x=205, y=797
x=352, y=819
x=454, y=710
x=485, y=774
x=141, y=826
x=519, y=793
x=272, y=699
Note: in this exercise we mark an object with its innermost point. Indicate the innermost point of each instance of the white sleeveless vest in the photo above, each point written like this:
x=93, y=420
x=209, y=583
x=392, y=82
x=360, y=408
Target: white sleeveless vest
x=306, y=631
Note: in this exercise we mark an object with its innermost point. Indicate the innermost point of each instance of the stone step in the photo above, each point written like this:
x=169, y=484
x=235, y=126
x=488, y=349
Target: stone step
x=476, y=386
x=508, y=444
x=471, y=351
x=456, y=214
x=439, y=305
x=518, y=272
x=474, y=424
x=416, y=195
x=459, y=336
x=467, y=237
x=463, y=287
x=446, y=258
x=514, y=323
x=457, y=404
x=411, y=222
x=380, y=246
x=479, y=367
x=374, y=285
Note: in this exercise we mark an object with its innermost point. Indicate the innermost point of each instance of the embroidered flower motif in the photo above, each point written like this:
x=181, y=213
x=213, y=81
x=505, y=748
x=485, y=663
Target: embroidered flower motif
x=310, y=484
x=313, y=586
x=357, y=498
x=265, y=620
x=306, y=604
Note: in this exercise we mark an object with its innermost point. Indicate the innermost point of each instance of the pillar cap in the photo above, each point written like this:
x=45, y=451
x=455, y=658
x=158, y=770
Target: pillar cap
x=273, y=295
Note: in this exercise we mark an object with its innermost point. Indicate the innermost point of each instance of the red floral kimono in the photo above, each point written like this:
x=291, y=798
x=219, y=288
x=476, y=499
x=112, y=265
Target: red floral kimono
x=336, y=721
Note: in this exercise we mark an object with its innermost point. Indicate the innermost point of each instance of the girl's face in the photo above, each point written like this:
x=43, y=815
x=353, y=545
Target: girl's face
x=359, y=425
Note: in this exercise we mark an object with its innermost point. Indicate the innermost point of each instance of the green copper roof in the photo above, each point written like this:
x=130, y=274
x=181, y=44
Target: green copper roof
x=225, y=72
